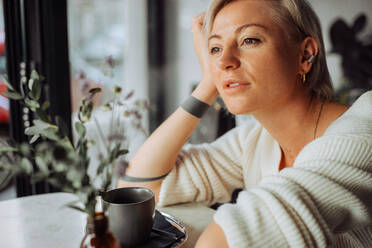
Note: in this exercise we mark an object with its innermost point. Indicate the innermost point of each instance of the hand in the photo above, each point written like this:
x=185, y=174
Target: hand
x=212, y=236
x=206, y=90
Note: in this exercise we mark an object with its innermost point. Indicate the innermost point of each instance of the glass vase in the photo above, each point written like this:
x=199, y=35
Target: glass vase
x=97, y=233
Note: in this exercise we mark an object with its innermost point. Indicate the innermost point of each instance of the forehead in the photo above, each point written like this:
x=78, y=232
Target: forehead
x=242, y=12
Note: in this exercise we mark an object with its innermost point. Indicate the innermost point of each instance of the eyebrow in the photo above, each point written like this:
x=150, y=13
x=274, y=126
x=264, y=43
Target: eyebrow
x=239, y=29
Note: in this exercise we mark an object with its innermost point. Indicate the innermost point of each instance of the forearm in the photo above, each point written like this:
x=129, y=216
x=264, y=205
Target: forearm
x=158, y=154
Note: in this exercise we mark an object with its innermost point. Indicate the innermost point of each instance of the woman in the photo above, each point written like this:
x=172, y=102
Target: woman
x=267, y=58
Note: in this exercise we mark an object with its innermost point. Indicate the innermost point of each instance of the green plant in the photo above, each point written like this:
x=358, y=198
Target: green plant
x=50, y=154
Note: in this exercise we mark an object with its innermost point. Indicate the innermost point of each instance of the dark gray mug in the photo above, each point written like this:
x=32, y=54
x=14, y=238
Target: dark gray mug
x=131, y=214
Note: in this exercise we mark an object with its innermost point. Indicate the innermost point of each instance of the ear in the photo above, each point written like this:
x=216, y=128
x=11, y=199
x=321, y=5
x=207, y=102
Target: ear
x=309, y=47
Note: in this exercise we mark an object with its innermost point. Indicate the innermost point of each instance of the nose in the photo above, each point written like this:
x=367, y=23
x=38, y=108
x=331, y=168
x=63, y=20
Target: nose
x=228, y=60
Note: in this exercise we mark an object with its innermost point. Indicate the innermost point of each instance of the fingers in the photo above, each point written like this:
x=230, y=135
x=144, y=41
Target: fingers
x=200, y=18
x=206, y=89
x=197, y=22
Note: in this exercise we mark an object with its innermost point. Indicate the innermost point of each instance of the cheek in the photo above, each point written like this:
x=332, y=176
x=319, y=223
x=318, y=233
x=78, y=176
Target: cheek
x=271, y=68
x=216, y=74
x=261, y=68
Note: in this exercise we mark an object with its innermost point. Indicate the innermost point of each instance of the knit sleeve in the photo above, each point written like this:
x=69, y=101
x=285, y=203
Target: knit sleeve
x=326, y=194
x=207, y=173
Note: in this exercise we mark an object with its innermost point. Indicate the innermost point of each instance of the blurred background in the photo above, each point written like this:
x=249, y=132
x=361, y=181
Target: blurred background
x=145, y=46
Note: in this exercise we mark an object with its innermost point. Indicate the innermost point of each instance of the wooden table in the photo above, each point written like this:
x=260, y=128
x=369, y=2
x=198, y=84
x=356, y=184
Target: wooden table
x=43, y=221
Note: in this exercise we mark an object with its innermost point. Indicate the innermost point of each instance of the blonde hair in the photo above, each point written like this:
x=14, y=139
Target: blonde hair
x=299, y=20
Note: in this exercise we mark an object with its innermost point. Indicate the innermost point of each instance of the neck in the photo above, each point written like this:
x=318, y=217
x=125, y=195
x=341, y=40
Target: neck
x=293, y=125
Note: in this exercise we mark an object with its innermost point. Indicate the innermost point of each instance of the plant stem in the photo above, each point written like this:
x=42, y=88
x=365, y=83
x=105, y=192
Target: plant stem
x=112, y=116
x=69, y=142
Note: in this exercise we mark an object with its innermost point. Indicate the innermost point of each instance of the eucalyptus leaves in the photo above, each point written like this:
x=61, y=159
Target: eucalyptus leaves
x=50, y=154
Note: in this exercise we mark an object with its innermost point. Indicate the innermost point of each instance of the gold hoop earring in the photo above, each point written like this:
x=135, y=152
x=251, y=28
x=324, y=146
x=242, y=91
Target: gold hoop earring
x=304, y=78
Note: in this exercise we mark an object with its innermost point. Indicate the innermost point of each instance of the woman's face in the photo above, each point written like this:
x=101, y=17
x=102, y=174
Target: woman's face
x=254, y=65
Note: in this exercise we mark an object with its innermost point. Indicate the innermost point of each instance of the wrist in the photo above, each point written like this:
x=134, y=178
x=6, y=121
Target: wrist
x=195, y=107
x=205, y=93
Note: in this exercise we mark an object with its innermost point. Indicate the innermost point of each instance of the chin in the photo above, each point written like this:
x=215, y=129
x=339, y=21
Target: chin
x=240, y=109
x=239, y=105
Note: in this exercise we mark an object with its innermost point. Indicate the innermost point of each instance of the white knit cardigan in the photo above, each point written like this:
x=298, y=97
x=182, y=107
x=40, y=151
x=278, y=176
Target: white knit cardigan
x=324, y=200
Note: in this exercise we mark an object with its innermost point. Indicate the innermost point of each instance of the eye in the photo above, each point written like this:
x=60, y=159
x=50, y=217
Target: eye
x=214, y=50
x=251, y=41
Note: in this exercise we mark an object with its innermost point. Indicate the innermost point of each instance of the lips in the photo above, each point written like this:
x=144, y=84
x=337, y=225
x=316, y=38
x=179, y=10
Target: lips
x=230, y=84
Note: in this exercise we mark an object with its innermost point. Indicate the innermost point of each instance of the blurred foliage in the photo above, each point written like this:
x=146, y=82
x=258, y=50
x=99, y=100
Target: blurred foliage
x=50, y=155
x=356, y=55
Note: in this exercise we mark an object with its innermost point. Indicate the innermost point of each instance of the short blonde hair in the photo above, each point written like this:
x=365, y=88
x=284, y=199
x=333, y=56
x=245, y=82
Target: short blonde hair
x=299, y=20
